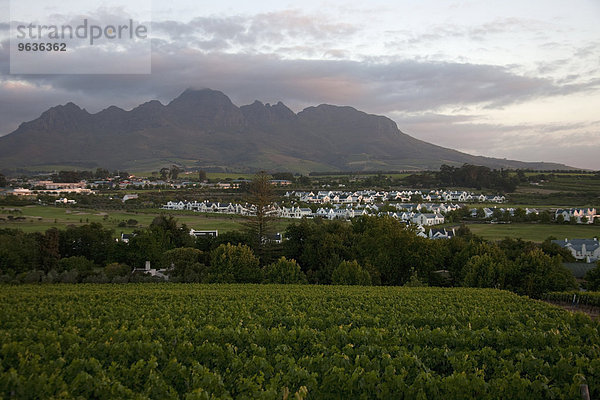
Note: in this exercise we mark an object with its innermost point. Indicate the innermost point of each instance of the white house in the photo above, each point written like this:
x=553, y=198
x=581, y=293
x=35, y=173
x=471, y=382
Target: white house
x=195, y=233
x=427, y=219
x=582, y=249
x=442, y=233
x=577, y=213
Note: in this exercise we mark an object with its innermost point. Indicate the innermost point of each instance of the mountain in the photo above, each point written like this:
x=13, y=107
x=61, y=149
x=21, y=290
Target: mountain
x=203, y=128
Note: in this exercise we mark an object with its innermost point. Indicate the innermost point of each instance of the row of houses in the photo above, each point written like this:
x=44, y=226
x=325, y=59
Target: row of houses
x=299, y=212
x=489, y=212
x=53, y=192
x=371, y=196
x=580, y=215
x=211, y=207
x=411, y=214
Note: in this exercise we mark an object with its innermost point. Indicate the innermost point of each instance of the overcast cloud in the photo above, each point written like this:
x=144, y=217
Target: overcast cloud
x=519, y=86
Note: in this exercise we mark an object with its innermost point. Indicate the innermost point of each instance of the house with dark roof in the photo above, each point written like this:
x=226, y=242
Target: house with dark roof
x=582, y=249
x=443, y=233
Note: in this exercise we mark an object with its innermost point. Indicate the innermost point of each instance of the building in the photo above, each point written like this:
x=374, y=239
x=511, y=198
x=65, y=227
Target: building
x=582, y=249
x=195, y=233
x=160, y=273
x=577, y=214
x=442, y=233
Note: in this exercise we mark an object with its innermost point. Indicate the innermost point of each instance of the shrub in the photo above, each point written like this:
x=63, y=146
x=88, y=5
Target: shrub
x=229, y=263
x=414, y=280
x=283, y=271
x=350, y=273
x=77, y=263
x=592, y=278
x=114, y=270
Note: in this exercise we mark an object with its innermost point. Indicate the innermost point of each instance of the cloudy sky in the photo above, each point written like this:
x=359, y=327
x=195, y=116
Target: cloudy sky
x=509, y=79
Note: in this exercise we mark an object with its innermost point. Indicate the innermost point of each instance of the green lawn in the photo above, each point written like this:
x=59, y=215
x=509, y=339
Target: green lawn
x=41, y=218
x=533, y=232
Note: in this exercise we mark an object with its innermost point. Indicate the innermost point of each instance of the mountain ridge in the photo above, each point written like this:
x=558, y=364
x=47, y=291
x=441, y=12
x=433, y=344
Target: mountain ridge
x=203, y=128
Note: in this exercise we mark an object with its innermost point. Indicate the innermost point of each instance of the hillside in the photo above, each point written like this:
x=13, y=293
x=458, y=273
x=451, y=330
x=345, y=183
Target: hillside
x=203, y=128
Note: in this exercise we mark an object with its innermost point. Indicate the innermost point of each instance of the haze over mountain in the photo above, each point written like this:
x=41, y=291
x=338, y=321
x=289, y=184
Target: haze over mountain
x=203, y=128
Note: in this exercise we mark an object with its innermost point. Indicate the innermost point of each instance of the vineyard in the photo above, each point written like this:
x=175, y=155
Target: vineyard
x=193, y=341
x=591, y=299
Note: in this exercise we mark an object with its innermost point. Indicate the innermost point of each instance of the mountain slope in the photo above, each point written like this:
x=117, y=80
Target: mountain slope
x=204, y=128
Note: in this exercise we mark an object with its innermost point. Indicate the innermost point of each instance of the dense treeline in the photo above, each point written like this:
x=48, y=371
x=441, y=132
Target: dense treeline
x=368, y=250
x=76, y=176
x=472, y=176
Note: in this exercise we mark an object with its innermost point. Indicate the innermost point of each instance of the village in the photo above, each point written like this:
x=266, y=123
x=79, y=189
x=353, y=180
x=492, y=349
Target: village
x=346, y=205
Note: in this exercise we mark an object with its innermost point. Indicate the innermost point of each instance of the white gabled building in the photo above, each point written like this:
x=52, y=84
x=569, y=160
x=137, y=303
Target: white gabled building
x=582, y=249
x=427, y=219
x=442, y=233
x=577, y=214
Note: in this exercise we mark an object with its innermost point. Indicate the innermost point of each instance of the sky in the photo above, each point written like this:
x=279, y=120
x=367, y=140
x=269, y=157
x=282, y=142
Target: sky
x=507, y=79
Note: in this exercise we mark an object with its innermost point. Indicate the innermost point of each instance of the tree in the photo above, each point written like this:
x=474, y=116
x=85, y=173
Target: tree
x=545, y=217
x=115, y=270
x=414, y=280
x=164, y=173
x=19, y=252
x=50, y=249
x=163, y=234
x=202, y=176
x=284, y=176
x=90, y=241
x=184, y=263
x=319, y=246
x=592, y=278
x=101, y=173
x=174, y=172
x=487, y=270
x=75, y=268
x=229, y=264
x=392, y=248
x=350, y=273
x=3, y=181
x=259, y=225
x=536, y=273
x=283, y=271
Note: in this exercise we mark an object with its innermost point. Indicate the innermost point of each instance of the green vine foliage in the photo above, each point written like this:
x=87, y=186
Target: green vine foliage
x=222, y=341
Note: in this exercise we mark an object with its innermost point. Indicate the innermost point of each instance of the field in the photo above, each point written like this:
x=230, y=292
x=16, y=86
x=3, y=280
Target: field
x=534, y=232
x=563, y=190
x=41, y=218
x=247, y=342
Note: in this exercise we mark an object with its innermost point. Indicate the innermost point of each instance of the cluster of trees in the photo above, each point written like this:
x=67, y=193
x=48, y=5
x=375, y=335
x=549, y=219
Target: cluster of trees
x=368, y=250
x=77, y=176
x=393, y=254
x=170, y=173
x=472, y=176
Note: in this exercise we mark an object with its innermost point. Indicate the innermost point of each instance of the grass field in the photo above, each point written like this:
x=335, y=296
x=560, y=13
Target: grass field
x=534, y=232
x=175, y=341
x=41, y=218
